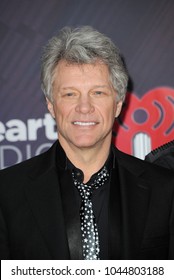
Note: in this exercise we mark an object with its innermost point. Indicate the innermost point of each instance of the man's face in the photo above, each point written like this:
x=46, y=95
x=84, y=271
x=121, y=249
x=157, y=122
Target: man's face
x=84, y=105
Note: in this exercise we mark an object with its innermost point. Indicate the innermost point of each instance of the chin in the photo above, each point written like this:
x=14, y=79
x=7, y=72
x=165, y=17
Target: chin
x=85, y=144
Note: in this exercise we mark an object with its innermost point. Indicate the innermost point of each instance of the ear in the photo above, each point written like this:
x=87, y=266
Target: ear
x=50, y=107
x=118, y=109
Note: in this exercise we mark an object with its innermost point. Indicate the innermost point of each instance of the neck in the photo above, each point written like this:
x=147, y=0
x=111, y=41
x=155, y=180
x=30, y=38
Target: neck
x=89, y=160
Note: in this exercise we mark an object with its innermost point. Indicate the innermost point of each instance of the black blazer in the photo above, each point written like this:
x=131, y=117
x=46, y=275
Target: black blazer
x=39, y=218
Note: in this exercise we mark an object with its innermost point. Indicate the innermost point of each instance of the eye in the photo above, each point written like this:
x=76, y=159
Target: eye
x=98, y=93
x=68, y=94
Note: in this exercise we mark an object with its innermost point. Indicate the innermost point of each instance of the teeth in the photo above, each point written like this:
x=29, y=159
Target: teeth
x=84, y=123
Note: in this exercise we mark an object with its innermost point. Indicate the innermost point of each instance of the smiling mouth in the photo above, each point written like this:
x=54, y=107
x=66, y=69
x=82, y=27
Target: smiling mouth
x=84, y=123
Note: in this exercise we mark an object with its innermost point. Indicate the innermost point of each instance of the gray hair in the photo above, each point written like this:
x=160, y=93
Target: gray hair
x=82, y=45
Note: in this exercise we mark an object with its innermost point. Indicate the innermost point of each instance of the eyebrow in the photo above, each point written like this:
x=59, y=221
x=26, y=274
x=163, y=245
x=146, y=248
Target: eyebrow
x=101, y=86
x=96, y=86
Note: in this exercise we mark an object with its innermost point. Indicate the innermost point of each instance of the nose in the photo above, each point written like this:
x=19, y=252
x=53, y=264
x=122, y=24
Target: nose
x=84, y=105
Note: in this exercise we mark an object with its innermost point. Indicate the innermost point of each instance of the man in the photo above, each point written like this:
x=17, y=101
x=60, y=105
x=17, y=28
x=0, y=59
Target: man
x=163, y=155
x=83, y=198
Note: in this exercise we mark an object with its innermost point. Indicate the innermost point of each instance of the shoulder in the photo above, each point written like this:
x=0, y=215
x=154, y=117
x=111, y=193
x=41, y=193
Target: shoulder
x=27, y=175
x=157, y=179
x=138, y=166
x=30, y=166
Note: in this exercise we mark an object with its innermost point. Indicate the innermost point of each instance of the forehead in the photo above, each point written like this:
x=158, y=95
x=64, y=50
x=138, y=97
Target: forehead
x=66, y=72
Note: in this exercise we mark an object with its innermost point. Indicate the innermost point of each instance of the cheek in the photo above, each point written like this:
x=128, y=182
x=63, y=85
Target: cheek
x=108, y=116
x=62, y=113
x=111, y=110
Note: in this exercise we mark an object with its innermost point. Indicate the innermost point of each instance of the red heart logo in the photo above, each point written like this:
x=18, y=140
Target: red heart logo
x=150, y=118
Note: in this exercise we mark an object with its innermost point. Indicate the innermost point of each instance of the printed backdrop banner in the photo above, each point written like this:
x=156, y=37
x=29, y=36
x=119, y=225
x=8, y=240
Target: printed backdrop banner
x=143, y=30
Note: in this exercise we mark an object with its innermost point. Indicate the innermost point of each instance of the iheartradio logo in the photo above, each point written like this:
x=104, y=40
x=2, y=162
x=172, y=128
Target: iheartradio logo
x=145, y=123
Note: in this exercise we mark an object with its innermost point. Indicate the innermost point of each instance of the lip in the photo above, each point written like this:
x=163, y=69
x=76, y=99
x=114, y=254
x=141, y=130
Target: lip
x=84, y=123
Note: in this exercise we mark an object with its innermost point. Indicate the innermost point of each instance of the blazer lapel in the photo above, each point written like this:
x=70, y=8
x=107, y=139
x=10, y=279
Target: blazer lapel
x=45, y=201
x=114, y=217
x=129, y=196
x=134, y=205
x=52, y=200
x=71, y=214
